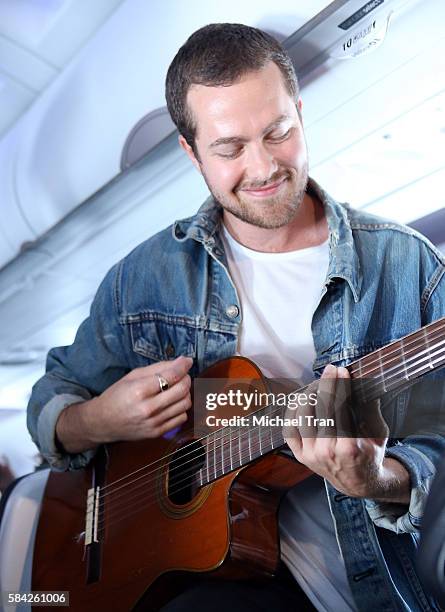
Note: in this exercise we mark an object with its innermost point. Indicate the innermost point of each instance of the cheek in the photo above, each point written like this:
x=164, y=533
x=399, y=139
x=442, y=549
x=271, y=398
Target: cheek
x=224, y=176
x=292, y=153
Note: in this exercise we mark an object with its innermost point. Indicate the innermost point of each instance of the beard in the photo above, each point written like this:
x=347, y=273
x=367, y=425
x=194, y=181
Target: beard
x=266, y=212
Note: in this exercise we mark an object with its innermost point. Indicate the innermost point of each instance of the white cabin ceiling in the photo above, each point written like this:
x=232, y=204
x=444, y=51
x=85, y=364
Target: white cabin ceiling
x=37, y=40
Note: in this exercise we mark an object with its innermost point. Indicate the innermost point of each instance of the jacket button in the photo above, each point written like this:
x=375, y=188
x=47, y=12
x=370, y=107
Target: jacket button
x=232, y=311
x=170, y=350
x=339, y=497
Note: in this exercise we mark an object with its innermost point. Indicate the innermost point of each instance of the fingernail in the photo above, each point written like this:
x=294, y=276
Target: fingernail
x=190, y=359
x=330, y=369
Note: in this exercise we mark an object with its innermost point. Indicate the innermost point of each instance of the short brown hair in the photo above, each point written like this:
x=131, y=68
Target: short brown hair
x=218, y=55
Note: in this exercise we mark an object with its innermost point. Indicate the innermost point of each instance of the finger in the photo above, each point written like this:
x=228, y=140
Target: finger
x=171, y=424
x=303, y=412
x=344, y=420
x=370, y=422
x=171, y=411
x=290, y=433
x=172, y=372
x=295, y=444
x=327, y=399
x=179, y=391
x=293, y=408
x=172, y=369
x=328, y=381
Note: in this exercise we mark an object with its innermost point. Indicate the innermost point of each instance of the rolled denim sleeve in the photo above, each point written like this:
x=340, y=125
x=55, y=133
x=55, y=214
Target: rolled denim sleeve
x=97, y=358
x=420, y=451
x=46, y=427
x=419, y=455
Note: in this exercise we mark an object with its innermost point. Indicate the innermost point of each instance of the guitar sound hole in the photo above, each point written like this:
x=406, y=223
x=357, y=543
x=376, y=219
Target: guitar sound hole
x=183, y=477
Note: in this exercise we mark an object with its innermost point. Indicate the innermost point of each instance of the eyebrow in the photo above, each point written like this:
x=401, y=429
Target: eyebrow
x=239, y=140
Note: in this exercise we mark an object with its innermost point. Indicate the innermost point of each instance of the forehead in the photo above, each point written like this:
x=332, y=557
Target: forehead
x=242, y=108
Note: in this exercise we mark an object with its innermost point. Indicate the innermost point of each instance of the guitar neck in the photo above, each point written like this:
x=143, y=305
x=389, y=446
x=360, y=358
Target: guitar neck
x=386, y=369
x=402, y=361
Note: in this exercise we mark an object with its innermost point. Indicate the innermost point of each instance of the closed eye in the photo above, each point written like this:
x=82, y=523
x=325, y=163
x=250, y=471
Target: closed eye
x=280, y=137
x=271, y=138
x=230, y=155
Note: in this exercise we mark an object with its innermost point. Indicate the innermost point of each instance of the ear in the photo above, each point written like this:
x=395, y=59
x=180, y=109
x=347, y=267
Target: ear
x=188, y=149
x=300, y=109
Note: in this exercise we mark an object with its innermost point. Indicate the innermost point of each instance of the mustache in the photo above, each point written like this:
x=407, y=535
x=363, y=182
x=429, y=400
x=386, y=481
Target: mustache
x=275, y=178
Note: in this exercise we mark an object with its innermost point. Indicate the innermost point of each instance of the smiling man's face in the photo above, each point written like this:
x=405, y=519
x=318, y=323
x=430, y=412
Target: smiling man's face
x=251, y=147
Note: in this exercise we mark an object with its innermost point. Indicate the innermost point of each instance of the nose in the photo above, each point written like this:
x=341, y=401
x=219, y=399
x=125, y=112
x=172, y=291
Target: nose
x=261, y=165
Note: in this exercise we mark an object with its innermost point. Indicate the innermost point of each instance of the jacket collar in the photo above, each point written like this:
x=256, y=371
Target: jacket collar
x=343, y=259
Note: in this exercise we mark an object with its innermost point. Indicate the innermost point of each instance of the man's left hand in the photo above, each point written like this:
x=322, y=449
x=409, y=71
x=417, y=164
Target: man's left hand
x=354, y=465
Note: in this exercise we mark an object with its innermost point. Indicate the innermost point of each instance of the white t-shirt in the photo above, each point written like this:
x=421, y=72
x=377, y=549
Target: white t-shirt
x=279, y=293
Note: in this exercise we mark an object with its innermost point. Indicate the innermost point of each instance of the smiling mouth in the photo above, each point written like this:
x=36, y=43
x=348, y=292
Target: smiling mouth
x=268, y=190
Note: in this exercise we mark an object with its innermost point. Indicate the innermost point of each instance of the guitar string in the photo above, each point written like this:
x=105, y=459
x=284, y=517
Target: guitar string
x=149, y=501
x=146, y=503
x=228, y=435
x=414, y=337
x=419, y=356
x=382, y=380
x=213, y=468
x=364, y=373
x=106, y=490
x=236, y=441
x=200, y=450
x=435, y=328
x=418, y=339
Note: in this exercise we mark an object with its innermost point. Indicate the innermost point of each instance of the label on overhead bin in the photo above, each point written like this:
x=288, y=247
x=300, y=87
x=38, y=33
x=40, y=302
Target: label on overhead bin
x=362, y=12
x=367, y=37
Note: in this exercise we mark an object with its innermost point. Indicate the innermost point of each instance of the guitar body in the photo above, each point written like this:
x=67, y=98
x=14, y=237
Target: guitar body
x=147, y=533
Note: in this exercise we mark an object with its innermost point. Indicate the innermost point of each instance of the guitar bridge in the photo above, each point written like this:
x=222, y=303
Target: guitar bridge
x=92, y=515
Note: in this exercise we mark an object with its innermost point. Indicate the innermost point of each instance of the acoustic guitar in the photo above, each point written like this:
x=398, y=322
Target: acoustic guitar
x=122, y=533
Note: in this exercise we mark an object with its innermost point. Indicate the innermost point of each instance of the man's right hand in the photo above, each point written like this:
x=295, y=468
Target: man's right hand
x=133, y=408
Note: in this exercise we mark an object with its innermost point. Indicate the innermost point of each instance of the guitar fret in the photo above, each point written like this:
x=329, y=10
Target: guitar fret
x=271, y=430
x=427, y=366
x=207, y=464
x=222, y=455
x=403, y=360
x=382, y=374
x=427, y=342
x=215, y=473
x=423, y=335
x=360, y=387
x=432, y=352
x=255, y=443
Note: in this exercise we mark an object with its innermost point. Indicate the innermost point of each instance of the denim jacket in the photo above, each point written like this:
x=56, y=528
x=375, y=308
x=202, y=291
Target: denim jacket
x=173, y=296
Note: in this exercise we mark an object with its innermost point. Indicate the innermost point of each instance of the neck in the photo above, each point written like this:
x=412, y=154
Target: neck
x=306, y=229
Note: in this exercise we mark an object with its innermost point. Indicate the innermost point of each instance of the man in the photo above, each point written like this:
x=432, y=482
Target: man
x=273, y=268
